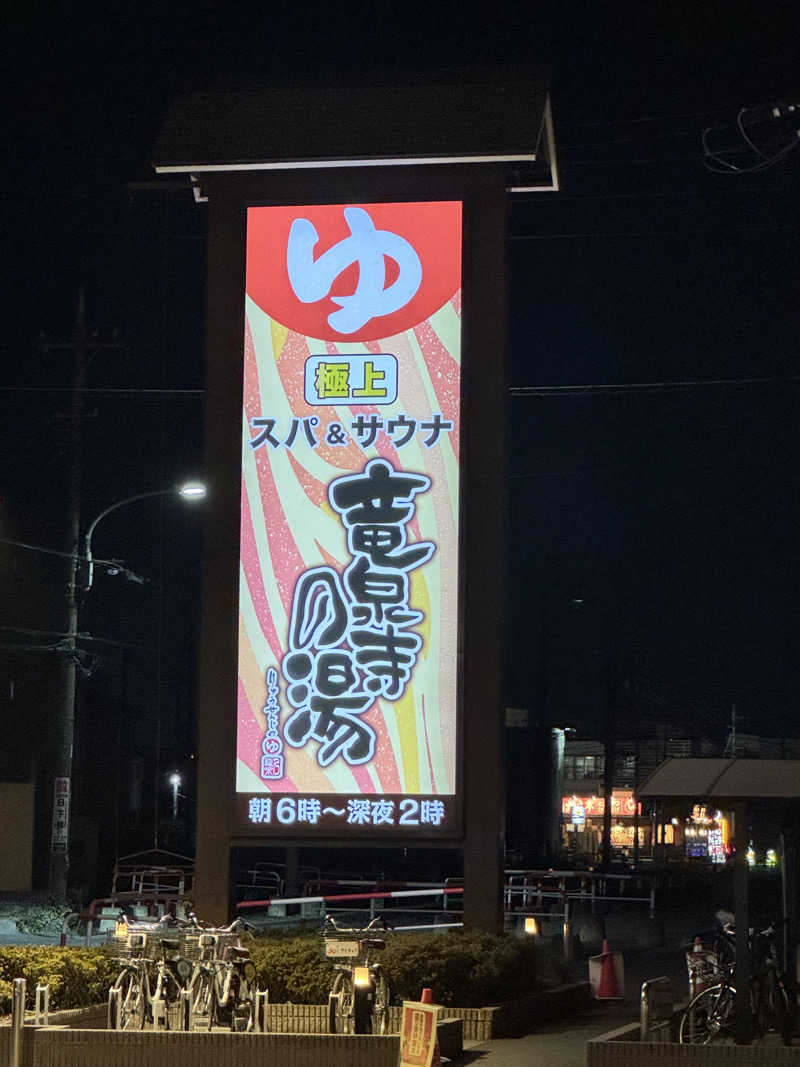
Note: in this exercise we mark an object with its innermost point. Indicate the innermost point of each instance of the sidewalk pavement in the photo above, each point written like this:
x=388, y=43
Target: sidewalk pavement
x=562, y=1043
x=557, y=1044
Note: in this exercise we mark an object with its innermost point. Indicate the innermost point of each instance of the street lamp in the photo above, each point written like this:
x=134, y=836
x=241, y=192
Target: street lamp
x=188, y=491
x=175, y=782
x=65, y=722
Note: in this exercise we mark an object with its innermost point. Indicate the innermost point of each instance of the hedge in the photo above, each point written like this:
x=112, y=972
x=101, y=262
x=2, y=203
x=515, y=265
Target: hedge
x=76, y=976
x=463, y=969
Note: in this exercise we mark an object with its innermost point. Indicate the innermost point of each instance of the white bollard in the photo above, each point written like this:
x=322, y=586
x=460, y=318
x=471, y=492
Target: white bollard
x=262, y=1009
x=42, y=1005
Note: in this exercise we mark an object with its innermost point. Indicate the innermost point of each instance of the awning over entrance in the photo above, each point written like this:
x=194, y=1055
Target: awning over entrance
x=451, y=121
x=723, y=780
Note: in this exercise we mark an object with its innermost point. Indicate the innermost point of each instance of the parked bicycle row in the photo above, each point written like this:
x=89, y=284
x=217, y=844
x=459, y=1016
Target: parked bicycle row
x=182, y=975
x=179, y=974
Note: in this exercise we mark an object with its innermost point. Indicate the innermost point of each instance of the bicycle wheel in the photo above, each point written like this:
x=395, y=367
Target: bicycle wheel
x=335, y=1006
x=771, y=1006
x=362, y=1012
x=380, y=1005
x=709, y=1017
x=131, y=1000
x=241, y=1005
x=343, y=987
x=174, y=1006
x=202, y=997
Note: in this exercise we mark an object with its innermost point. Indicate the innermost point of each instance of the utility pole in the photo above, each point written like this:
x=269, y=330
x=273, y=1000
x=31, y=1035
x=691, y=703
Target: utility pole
x=63, y=719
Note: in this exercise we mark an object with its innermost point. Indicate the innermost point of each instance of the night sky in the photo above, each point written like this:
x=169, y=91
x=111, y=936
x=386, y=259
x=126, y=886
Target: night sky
x=652, y=532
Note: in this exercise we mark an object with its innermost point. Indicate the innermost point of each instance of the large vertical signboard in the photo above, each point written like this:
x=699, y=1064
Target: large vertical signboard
x=348, y=599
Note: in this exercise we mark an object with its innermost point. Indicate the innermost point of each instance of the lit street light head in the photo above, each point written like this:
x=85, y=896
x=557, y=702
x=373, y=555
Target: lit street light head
x=192, y=491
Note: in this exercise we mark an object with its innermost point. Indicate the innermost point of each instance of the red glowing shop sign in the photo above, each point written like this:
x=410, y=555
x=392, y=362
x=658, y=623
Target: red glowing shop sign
x=622, y=803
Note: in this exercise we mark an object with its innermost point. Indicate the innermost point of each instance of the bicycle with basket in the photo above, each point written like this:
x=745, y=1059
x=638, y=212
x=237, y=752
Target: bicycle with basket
x=152, y=976
x=223, y=984
x=358, y=1002
x=711, y=1012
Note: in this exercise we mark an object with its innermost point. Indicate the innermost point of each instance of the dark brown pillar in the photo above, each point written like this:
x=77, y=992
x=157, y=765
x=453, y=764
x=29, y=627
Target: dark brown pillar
x=218, y=647
x=483, y=515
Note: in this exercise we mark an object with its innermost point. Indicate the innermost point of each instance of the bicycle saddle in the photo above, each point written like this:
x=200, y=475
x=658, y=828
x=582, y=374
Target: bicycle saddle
x=239, y=953
x=170, y=944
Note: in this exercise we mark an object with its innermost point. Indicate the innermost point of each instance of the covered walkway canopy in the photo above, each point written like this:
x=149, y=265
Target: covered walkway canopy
x=721, y=780
x=743, y=785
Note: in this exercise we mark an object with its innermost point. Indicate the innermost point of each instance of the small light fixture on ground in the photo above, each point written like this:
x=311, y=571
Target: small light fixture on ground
x=531, y=926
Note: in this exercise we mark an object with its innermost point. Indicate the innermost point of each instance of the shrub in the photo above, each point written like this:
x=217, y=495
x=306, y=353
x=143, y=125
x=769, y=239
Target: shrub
x=77, y=976
x=462, y=969
x=293, y=968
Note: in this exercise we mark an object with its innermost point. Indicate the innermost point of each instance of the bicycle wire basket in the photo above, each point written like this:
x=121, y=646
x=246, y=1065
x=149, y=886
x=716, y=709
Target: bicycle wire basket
x=134, y=940
x=704, y=968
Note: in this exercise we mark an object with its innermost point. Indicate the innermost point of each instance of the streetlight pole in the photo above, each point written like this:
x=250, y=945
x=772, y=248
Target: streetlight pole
x=190, y=491
x=62, y=785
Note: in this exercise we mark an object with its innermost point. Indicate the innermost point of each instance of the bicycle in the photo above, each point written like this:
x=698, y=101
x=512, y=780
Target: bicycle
x=131, y=982
x=710, y=1016
x=136, y=1003
x=358, y=1003
x=223, y=984
x=172, y=976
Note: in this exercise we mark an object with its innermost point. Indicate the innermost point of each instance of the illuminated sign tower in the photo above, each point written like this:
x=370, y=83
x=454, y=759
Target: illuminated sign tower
x=355, y=428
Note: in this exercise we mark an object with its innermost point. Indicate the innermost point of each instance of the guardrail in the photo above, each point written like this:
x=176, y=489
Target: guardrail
x=339, y=898
x=532, y=885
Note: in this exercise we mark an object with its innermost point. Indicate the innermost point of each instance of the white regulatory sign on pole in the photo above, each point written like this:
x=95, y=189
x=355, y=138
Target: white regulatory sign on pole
x=59, y=840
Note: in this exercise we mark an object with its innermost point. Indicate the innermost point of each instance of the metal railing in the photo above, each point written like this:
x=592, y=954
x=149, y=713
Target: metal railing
x=656, y=1010
x=41, y=1014
x=526, y=887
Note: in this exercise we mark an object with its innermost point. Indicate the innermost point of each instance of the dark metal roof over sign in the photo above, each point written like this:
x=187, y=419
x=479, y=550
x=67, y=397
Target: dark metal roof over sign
x=506, y=122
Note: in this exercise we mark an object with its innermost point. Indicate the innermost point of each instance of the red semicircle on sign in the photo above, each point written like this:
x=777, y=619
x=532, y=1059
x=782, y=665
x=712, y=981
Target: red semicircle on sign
x=432, y=228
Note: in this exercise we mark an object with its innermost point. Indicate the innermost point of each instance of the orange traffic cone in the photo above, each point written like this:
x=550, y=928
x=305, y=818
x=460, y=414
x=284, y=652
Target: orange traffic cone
x=427, y=998
x=609, y=987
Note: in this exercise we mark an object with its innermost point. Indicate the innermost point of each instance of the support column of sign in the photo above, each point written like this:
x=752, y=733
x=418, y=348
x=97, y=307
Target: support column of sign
x=484, y=400
x=216, y=736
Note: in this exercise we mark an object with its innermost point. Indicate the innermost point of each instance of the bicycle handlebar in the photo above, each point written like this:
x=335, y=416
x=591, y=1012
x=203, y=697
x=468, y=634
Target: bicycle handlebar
x=378, y=923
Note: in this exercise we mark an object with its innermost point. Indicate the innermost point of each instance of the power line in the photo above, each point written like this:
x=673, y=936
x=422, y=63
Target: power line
x=155, y=394
x=611, y=389
x=79, y=636
x=681, y=232
x=113, y=566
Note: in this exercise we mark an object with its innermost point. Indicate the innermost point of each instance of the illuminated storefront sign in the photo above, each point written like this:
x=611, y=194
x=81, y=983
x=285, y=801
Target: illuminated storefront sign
x=347, y=705
x=622, y=803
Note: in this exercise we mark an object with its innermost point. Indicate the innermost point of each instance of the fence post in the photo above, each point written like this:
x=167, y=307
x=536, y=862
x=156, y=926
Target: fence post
x=652, y=902
x=17, y=1022
x=262, y=1007
x=42, y=1005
